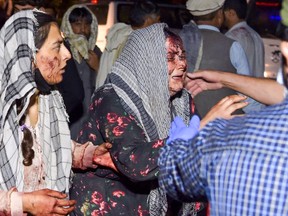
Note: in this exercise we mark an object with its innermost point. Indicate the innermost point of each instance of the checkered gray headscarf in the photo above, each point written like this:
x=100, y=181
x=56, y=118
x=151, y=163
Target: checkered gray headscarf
x=140, y=78
x=17, y=50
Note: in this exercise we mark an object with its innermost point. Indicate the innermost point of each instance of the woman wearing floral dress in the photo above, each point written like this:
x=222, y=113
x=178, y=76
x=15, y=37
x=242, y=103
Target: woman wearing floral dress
x=133, y=111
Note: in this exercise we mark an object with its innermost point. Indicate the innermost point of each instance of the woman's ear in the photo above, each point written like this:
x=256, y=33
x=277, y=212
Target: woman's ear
x=34, y=64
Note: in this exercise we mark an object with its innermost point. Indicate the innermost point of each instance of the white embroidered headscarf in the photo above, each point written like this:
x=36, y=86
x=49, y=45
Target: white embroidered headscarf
x=79, y=44
x=17, y=51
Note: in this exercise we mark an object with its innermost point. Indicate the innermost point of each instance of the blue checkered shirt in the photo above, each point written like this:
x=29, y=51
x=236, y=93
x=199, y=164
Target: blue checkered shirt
x=240, y=165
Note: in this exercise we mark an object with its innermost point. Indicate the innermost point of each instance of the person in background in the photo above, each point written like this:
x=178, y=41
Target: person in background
x=19, y=5
x=133, y=110
x=49, y=8
x=240, y=165
x=143, y=14
x=80, y=28
x=36, y=150
x=208, y=15
x=6, y=7
x=234, y=19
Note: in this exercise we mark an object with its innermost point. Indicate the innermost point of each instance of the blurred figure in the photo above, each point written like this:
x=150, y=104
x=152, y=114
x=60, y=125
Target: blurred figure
x=80, y=28
x=49, y=8
x=143, y=14
x=240, y=165
x=235, y=14
x=19, y=5
x=250, y=40
x=6, y=7
x=208, y=16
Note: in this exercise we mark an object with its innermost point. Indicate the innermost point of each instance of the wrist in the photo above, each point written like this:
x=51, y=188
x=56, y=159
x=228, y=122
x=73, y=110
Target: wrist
x=226, y=79
x=27, y=203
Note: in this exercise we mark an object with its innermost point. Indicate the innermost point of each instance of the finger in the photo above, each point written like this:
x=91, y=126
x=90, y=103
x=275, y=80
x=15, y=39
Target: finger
x=235, y=106
x=65, y=202
x=63, y=210
x=104, y=147
x=179, y=122
x=56, y=194
x=195, y=122
x=108, y=145
x=193, y=75
x=228, y=100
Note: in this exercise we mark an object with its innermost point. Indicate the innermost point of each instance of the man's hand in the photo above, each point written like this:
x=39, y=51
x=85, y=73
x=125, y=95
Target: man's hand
x=224, y=108
x=93, y=60
x=47, y=202
x=199, y=81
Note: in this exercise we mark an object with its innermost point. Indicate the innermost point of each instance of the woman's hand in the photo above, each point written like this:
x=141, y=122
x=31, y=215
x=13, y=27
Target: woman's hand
x=102, y=156
x=47, y=202
x=224, y=108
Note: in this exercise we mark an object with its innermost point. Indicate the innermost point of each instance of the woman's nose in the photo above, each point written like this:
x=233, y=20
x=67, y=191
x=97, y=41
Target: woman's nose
x=66, y=53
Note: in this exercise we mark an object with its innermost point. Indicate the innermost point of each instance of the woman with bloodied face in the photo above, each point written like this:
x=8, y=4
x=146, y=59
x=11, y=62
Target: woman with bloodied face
x=133, y=111
x=36, y=150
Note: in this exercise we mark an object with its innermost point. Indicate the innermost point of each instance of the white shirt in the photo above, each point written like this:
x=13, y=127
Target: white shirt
x=237, y=55
x=253, y=46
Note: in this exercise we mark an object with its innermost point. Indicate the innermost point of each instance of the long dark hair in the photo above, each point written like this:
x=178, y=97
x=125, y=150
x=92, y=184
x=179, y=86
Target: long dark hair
x=41, y=31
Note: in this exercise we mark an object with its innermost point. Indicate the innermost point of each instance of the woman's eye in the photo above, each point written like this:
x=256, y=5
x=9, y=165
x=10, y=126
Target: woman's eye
x=170, y=58
x=182, y=57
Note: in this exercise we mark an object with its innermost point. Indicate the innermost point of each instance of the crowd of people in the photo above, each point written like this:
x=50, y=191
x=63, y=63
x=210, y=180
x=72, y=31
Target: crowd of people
x=159, y=124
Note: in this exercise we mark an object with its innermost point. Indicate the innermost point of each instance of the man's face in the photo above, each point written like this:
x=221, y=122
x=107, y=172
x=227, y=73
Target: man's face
x=81, y=26
x=18, y=7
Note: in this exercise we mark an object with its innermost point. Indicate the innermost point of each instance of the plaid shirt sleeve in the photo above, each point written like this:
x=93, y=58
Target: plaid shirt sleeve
x=180, y=170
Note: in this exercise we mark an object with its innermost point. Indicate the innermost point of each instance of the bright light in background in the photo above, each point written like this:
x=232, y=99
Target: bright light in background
x=268, y=4
x=94, y=1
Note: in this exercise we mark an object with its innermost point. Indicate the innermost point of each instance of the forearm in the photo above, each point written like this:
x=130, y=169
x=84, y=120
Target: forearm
x=264, y=90
x=179, y=172
x=83, y=155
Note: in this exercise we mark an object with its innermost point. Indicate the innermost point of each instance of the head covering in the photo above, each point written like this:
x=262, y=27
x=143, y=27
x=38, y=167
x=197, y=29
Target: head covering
x=203, y=7
x=79, y=44
x=140, y=78
x=17, y=51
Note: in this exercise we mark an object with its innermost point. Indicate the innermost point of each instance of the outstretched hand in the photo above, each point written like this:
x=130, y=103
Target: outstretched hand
x=102, y=156
x=47, y=202
x=179, y=130
x=199, y=81
x=224, y=108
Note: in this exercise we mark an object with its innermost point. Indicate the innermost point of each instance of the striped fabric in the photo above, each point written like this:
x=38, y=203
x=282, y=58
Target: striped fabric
x=17, y=82
x=239, y=164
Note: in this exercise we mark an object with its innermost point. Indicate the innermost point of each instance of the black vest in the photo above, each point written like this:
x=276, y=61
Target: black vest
x=216, y=56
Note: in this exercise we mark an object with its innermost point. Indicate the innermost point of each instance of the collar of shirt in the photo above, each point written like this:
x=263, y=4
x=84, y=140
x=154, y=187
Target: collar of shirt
x=208, y=27
x=238, y=25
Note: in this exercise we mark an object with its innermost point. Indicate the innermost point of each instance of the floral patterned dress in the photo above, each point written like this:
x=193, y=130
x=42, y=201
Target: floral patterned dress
x=103, y=191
